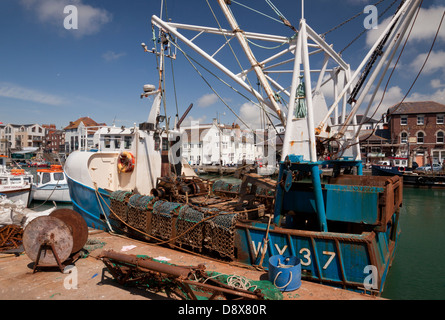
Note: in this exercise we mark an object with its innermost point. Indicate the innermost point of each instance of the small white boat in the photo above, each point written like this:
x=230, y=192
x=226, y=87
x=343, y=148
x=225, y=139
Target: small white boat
x=15, y=184
x=51, y=185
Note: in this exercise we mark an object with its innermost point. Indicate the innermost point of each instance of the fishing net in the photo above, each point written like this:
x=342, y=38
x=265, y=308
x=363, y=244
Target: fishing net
x=91, y=245
x=266, y=287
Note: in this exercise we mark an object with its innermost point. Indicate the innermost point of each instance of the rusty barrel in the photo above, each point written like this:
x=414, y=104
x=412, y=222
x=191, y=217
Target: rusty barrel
x=65, y=229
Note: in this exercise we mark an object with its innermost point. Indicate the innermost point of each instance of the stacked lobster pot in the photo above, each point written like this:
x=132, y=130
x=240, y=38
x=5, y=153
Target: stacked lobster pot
x=220, y=233
x=119, y=206
x=189, y=228
x=139, y=212
x=164, y=216
x=225, y=189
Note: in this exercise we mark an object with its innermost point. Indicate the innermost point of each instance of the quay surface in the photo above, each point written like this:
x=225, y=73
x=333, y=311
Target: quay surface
x=17, y=281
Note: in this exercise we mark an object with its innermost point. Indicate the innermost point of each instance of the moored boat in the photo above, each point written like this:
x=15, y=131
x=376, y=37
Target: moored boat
x=343, y=229
x=51, y=185
x=15, y=183
x=393, y=166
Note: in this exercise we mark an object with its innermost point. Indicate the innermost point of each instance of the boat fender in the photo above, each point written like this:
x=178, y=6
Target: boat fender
x=125, y=162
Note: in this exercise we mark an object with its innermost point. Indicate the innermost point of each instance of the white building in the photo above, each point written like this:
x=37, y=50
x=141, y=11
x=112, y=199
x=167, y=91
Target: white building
x=79, y=134
x=20, y=136
x=217, y=144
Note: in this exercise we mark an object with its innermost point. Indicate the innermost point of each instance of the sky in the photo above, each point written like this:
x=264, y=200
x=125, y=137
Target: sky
x=53, y=75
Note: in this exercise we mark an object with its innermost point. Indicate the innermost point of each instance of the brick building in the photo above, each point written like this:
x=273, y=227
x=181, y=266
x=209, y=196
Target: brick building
x=54, y=139
x=418, y=130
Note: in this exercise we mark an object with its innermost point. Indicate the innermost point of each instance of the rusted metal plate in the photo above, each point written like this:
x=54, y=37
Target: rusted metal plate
x=47, y=229
x=76, y=224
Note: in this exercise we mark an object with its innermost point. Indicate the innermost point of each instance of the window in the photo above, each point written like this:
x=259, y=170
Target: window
x=420, y=136
x=403, y=120
x=403, y=137
x=58, y=176
x=127, y=142
x=439, y=119
x=420, y=119
x=117, y=142
x=440, y=137
x=107, y=142
x=45, y=178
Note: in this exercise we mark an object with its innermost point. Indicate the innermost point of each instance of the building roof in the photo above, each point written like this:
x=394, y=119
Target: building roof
x=417, y=107
x=87, y=121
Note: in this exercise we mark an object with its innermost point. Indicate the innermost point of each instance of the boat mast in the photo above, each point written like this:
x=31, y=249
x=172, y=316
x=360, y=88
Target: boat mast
x=239, y=34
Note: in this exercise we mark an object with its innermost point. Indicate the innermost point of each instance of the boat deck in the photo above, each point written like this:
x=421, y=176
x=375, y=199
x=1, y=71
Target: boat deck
x=17, y=281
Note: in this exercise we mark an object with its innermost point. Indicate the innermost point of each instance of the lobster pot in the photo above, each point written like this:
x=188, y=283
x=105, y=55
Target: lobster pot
x=220, y=234
x=139, y=213
x=220, y=185
x=164, y=218
x=222, y=188
x=189, y=223
x=118, y=205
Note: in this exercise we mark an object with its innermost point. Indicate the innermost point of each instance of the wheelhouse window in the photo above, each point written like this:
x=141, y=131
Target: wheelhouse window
x=107, y=142
x=58, y=176
x=127, y=142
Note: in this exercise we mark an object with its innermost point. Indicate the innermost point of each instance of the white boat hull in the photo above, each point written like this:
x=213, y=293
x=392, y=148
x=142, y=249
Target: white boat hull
x=22, y=194
x=51, y=193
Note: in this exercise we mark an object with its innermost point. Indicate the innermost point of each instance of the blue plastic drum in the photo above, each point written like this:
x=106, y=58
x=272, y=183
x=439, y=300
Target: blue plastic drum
x=285, y=272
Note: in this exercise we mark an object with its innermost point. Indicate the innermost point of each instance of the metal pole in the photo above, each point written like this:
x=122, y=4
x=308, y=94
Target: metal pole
x=293, y=94
x=371, y=51
x=308, y=88
x=253, y=62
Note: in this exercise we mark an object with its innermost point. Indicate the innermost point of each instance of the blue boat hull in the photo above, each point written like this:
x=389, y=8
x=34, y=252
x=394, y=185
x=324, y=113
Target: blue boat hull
x=92, y=205
x=349, y=260
x=339, y=260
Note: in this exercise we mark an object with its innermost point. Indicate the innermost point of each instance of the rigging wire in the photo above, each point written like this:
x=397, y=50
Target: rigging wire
x=210, y=86
x=239, y=64
x=364, y=30
x=348, y=20
x=254, y=10
x=417, y=76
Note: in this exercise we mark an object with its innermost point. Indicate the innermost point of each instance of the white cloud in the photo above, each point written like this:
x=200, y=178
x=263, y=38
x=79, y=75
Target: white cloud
x=437, y=96
x=435, y=62
x=207, y=100
x=13, y=91
x=111, y=55
x=424, y=29
x=437, y=83
x=250, y=115
x=190, y=119
x=90, y=19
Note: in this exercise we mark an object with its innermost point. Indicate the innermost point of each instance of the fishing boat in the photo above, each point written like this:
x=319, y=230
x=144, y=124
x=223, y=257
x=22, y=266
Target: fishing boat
x=15, y=183
x=393, y=166
x=51, y=185
x=343, y=228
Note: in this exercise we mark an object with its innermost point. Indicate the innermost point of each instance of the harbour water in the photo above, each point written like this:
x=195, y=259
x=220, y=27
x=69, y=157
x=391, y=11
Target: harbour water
x=417, y=270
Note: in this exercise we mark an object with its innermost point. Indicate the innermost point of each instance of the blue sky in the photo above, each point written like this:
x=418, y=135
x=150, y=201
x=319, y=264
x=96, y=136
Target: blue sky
x=52, y=75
